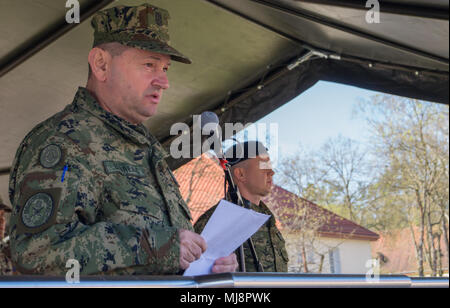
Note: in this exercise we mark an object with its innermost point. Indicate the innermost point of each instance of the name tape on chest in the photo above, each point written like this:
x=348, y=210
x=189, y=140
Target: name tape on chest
x=123, y=168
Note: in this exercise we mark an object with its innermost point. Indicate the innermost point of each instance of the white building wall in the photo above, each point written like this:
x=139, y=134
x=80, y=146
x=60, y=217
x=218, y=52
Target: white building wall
x=349, y=256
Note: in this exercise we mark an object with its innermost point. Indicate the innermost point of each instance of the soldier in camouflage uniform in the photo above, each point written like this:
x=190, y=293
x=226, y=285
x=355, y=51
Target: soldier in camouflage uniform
x=91, y=183
x=5, y=255
x=252, y=173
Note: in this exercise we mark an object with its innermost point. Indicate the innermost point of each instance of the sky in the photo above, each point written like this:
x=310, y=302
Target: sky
x=322, y=112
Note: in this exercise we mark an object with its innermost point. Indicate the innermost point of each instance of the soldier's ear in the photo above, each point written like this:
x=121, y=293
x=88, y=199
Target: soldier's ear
x=239, y=174
x=100, y=62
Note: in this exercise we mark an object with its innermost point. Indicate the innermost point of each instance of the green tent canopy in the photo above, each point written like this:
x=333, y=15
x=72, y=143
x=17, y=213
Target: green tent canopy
x=249, y=57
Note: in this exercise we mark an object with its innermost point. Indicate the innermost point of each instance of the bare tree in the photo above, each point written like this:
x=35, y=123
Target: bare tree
x=410, y=138
x=345, y=167
x=303, y=175
x=334, y=177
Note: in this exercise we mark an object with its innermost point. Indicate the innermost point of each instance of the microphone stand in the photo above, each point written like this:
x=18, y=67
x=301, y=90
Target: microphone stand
x=208, y=118
x=233, y=188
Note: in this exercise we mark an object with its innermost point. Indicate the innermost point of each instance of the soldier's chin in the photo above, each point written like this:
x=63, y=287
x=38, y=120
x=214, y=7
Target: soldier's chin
x=265, y=193
x=149, y=111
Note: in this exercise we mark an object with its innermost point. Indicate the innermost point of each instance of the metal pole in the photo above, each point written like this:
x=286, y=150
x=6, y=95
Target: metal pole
x=390, y=8
x=229, y=280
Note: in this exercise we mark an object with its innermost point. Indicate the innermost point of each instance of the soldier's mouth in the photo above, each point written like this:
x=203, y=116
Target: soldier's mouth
x=154, y=97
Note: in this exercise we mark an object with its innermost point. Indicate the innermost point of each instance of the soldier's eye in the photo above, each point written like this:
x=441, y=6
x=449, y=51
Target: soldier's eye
x=149, y=64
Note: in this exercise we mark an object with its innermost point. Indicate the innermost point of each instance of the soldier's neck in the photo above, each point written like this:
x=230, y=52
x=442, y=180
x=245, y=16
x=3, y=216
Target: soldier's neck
x=255, y=199
x=93, y=89
x=96, y=92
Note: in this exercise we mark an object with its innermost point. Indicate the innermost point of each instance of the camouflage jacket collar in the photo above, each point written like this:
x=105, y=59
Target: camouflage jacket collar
x=261, y=208
x=137, y=133
x=265, y=210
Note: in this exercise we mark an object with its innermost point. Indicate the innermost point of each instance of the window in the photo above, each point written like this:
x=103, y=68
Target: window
x=335, y=261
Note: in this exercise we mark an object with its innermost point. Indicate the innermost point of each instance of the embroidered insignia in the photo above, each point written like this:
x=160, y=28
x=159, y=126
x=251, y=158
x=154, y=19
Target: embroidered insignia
x=37, y=210
x=50, y=156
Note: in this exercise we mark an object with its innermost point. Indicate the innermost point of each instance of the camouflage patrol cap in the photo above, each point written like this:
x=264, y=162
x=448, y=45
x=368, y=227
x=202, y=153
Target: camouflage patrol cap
x=145, y=27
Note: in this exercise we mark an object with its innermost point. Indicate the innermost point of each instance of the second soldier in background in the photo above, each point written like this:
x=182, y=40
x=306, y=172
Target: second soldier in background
x=252, y=173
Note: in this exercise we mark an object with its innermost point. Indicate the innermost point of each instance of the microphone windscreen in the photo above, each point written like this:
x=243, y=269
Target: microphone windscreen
x=208, y=117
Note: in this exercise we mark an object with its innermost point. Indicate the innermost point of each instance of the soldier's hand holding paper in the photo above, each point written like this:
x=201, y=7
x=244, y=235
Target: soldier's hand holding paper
x=227, y=229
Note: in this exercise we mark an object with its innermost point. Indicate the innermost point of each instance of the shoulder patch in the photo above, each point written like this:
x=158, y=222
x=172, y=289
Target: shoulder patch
x=39, y=210
x=50, y=156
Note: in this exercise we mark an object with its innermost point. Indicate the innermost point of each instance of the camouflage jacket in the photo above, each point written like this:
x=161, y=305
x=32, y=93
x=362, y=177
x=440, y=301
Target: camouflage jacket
x=268, y=241
x=88, y=185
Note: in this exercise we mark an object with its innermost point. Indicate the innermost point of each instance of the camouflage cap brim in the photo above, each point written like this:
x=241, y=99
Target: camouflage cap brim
x=159, y=47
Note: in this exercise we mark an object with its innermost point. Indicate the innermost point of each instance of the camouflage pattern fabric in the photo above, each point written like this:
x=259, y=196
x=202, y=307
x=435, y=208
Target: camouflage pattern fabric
x=269, y=243
x=145, y=27
x=90, y=186
x=6, y=267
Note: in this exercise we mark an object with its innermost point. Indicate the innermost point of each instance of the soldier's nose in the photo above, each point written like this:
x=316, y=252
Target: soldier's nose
x=161, y=82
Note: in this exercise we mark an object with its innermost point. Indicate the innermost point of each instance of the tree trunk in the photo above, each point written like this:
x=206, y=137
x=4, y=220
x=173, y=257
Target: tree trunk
x=322, y=259
x=349, y=206
x=305, y=261
x=419, y=251
x=441, y=272
x=432, y=254
x=421, y=248
x=445, y=233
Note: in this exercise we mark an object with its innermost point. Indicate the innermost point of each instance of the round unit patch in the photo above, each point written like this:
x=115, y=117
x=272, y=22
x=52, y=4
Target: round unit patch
x=50, y=156
x=37, y=210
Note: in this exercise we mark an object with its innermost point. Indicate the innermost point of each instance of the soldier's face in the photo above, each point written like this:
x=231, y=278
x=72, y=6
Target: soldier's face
x=137, y=80
x=258, y=174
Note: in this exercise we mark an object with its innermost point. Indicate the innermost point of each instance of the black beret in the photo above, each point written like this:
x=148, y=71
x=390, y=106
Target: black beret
x=241, y=151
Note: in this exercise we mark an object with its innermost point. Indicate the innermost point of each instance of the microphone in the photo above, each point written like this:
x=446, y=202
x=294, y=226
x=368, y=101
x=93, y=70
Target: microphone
x=208, y=117
x=209, y=124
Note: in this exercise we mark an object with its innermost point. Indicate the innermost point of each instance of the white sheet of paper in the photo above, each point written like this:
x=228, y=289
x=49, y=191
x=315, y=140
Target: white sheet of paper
x=228, y=228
